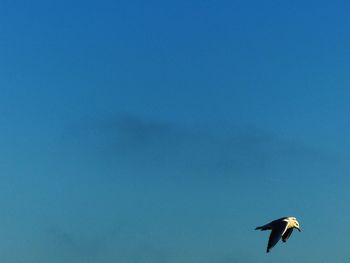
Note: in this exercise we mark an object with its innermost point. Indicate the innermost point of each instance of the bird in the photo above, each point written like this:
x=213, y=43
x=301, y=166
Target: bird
x=280, y=228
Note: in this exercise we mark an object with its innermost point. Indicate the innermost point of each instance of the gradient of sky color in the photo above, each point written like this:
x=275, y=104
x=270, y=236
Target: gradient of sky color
x=165, y=132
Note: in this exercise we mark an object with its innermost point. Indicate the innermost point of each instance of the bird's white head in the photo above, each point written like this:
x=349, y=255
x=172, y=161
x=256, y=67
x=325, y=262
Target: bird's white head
x=294, y=223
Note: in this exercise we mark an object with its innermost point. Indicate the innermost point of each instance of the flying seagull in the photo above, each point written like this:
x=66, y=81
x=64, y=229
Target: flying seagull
x=280, y=228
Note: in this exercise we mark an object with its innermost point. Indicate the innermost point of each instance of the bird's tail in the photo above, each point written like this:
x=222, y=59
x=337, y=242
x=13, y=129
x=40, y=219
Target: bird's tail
x=262, y=228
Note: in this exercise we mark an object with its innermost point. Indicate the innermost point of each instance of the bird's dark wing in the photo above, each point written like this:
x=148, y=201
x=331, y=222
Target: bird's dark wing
x=278, y=230
x=287, y=234
x=270, y=225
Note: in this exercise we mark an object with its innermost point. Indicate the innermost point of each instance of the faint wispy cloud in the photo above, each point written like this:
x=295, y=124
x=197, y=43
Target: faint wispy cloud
x=74, y=247
x=157, y=146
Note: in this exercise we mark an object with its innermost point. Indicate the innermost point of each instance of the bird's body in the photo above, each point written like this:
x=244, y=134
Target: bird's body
x=280, y=228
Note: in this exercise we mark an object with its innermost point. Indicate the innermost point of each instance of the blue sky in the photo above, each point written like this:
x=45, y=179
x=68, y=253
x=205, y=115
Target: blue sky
x=152, y=131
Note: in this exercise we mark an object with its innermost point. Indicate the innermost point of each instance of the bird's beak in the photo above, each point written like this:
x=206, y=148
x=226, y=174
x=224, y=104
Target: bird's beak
x=299, y=229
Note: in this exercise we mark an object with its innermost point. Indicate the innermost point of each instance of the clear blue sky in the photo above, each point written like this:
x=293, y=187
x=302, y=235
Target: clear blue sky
x=165, y=132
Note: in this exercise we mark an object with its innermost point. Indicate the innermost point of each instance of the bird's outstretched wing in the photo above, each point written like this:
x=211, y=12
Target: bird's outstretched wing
x=287, y=234
x=278, y=230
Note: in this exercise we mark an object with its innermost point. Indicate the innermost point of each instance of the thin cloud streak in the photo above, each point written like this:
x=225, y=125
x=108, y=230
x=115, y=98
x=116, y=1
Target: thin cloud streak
x=173, y=150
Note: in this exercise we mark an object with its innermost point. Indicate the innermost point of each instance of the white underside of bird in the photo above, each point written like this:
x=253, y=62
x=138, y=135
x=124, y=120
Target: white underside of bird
x=280, y=228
